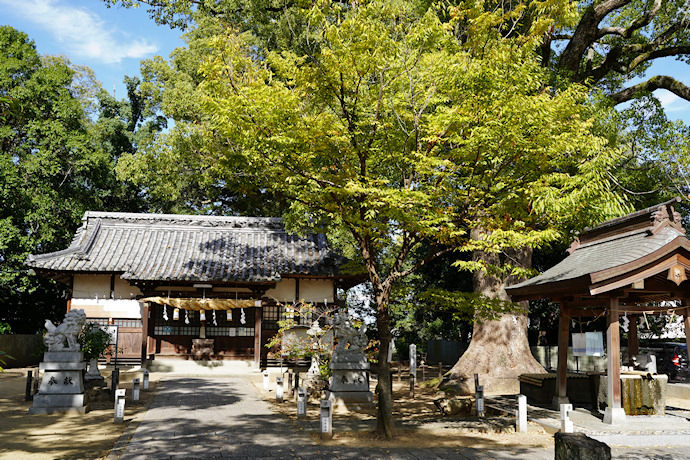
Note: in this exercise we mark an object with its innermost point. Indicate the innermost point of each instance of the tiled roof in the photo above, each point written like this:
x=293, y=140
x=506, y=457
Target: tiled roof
x=613, y=244
x=170, y=247
x=602, y=255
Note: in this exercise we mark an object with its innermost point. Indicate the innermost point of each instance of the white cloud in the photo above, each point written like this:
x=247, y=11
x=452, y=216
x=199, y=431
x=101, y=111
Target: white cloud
x=81, y=32
x=670, y=102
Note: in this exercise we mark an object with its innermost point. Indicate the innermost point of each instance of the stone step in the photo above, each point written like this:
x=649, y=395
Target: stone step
x=202, y=367
x=678, y=390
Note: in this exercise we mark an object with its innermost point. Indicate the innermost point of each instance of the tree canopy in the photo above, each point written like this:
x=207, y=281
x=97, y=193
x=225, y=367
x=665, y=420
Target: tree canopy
x=392, y=127
x=54, y=168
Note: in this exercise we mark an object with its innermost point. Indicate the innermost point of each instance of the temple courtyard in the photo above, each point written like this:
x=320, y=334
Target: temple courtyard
x=232, y=416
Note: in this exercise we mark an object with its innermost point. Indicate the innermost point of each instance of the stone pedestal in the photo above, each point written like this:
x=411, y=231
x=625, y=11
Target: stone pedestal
x=350, y=384
x=93, y=377
x=62, y=387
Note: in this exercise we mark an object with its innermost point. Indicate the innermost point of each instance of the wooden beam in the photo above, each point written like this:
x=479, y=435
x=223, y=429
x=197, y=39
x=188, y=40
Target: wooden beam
x=145, y=333
x=626, y=278
x=257, y=336
x=686, y=323
x=562, y=372
x=633, y=340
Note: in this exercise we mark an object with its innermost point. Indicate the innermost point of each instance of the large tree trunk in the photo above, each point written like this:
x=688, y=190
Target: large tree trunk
x=499, y=351
x=385, y=425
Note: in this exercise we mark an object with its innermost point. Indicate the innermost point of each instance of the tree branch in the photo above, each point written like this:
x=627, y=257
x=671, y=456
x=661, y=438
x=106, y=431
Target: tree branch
x=654, y=83
x=626, y=32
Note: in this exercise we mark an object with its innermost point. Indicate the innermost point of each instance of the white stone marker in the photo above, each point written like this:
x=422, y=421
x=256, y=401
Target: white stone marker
x=267, y=381
x=145, y=383
x=301, y=402
x=120, y=405
x=521, y=414
x=135, y=389
x=413, y=360
x=279, y=389
x=479, y=400
x=326, y=419
x=566, y=424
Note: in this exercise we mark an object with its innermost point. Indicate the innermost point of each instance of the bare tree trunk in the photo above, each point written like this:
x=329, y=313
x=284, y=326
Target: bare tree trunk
x=499, y=351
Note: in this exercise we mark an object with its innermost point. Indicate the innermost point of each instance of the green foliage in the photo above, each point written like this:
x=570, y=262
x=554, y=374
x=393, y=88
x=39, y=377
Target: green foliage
x=5, y=328
x=55, y=163
x=94, y=341
x=3, y=357
x=289, y=342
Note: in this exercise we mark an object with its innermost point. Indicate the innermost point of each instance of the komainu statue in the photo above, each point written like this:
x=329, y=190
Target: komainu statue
x=67, y=331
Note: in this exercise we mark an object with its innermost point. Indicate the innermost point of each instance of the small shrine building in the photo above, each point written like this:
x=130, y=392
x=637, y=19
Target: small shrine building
x=185, y=286
x=634, y=265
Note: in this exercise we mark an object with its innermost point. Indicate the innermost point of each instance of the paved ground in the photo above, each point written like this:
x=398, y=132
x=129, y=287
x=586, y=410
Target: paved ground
x=225, y=418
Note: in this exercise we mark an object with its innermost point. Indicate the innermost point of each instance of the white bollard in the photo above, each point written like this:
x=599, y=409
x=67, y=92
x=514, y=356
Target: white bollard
x=301, y=402
x=119, y=405
x=521, y=415
x=279, y=389
x=135, y=389
x=566, y=424
x=326, y=419
x=145, y=384
x=479, y=400
x=267, y=382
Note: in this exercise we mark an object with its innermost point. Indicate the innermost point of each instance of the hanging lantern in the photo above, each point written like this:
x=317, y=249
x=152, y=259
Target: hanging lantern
x=229, y=314
x=202, y=315
x=176, y=314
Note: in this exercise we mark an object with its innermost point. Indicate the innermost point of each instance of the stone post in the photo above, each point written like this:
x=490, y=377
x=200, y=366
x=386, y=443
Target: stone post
x=413, y=360
x=479, y=400
x=120, y=406
x=145, y=384
x=521, y=415
x=135, y=389
x=267, y=382
x=301, y=402
x=326, y=419
x=279, y=389
x=566, y=424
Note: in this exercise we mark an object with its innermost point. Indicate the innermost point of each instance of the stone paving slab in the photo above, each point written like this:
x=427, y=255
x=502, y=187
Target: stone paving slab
x=226, y=418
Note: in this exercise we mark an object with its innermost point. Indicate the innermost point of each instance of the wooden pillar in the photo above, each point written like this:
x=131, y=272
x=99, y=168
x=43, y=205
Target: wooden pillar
x=257, y=334
x=614, y=412
x=633, y=341
x=145, y=332
x=686, y=323
x=562, y=377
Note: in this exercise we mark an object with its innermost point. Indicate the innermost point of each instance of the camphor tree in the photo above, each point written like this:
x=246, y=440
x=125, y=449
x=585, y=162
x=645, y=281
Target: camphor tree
x=54, y=166
x=392, y=131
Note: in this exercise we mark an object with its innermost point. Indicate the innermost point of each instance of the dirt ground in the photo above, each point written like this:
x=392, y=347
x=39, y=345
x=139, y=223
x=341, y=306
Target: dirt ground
x=63, y=435
x=485, y=433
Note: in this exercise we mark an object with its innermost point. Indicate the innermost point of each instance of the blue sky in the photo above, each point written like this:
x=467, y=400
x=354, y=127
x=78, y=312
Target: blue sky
x=112, y=41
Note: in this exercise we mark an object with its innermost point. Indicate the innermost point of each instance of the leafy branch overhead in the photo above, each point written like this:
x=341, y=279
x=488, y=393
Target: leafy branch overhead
x=617, y=40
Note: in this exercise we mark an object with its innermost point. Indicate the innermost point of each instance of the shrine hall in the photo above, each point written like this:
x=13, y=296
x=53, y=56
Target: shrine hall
x=193, y=287
x=635, y=265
